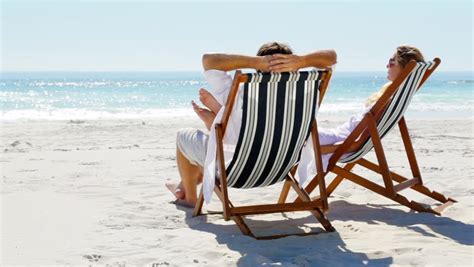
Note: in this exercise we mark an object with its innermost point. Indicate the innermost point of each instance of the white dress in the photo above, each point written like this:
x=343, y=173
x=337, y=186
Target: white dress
x=307, y=165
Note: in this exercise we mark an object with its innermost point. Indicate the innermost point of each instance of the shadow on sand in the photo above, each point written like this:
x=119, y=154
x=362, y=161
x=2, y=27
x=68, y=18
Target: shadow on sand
x=374, y=214
x=325, y=249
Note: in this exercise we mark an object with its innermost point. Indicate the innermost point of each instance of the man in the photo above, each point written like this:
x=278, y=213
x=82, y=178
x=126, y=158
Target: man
x=192, y=144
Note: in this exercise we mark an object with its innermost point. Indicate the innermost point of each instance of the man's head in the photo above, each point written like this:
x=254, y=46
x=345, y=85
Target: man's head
x=274, y=48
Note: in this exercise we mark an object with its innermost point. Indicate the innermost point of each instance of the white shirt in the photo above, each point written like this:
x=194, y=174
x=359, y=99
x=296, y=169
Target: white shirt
x=220, y=83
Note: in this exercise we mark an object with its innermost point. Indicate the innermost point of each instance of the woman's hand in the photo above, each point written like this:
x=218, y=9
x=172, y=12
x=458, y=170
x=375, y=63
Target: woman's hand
x=285, y=63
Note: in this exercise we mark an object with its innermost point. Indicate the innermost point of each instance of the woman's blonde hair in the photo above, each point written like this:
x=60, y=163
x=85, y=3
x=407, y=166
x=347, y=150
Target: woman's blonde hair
x=403, y=55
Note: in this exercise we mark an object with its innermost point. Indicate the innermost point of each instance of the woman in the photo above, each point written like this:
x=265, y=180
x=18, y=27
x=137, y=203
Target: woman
x=396, y=64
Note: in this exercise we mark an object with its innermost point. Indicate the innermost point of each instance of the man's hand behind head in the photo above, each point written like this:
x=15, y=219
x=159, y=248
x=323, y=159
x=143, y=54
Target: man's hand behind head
x=285, y=63
x=263, y=63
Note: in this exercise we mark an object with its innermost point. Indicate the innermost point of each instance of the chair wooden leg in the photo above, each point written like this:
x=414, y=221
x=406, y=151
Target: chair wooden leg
x=304, y=196
x=284, y=192
x=199, y=203
x=409, y=149
x=377, y=142
x=243, y=226
x=239, y=220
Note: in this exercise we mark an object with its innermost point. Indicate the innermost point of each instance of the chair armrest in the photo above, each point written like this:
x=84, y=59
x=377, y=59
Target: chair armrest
x=328, y=149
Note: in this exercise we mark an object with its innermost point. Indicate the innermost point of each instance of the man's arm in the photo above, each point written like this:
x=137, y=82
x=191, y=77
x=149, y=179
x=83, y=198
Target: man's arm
x=318, y=59
x=226, y=62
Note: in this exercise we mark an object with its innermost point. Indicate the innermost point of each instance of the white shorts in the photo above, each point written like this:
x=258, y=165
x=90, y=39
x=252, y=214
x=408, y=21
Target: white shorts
x=193, y=145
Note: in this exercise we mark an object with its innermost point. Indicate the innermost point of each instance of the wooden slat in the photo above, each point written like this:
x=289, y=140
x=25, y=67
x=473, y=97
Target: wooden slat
x=360, y=181
x=406, y=184
x=409, y=149
x=273, y=208
x=399, y=178
x=319, y=166
x=379, y=152
x=326, y=76
x=221, y=166
x=441, y=208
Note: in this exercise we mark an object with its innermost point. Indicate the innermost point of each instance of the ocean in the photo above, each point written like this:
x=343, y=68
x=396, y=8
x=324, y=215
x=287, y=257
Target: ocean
x=145, y=95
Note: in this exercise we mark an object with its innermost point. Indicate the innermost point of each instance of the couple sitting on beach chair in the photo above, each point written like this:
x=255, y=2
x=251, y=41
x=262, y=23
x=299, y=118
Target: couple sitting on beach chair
x=266, y=132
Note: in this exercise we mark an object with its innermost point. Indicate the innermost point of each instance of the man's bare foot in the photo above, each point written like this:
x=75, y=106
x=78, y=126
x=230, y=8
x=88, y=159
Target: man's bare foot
x=177, y=190
x=185, y=203
x=206, y=115
x=208, y=100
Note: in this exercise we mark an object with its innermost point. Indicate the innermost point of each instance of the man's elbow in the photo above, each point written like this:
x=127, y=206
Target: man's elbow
x=332, y=57
x=208, y=61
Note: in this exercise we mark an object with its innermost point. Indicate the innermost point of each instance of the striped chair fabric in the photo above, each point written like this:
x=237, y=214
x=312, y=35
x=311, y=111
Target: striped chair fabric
x=395, y=110
x=278, y=110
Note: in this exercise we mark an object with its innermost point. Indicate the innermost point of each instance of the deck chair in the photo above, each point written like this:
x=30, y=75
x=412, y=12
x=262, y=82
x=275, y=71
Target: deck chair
x=387, y=112
x=277, y=116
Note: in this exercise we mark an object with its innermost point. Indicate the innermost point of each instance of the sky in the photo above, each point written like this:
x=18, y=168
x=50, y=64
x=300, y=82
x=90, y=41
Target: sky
x=110, y=35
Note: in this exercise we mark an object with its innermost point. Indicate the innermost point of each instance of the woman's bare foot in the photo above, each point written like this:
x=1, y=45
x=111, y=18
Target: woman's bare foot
x=208, y=100
x=177, y=190
x=206, y=115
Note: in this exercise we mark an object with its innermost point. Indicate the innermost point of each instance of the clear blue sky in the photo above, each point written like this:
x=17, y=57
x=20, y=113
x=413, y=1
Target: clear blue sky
x=163, y=35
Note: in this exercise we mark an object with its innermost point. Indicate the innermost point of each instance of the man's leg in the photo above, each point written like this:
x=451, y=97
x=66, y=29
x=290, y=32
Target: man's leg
x=190, y=155
x=191, y=176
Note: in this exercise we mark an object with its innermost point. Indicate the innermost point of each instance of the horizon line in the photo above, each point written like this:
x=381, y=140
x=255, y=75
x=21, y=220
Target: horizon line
x=137, y=71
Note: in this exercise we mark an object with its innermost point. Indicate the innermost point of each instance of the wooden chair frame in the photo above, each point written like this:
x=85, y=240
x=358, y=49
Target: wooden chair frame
x=367, y=128
x=237, y=213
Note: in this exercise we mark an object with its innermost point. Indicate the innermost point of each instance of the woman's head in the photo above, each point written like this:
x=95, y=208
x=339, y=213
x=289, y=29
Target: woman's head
x=400, y=59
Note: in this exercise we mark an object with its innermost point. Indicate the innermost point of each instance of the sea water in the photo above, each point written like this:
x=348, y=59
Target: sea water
x=144, y=95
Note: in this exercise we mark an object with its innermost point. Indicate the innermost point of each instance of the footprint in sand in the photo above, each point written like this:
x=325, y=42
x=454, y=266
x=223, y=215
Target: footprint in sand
x=93, y=257
x=90, y=163
x=18, y=142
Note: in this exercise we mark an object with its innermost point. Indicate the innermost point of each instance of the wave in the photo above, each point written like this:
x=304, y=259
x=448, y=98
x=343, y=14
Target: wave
x=98, y=84
x=421, y=110
x=460, y=81
x=86, y=114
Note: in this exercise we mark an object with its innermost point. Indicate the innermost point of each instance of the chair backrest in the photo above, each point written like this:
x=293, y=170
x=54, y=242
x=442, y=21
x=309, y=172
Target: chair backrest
x=394, y=109
x=278, y=111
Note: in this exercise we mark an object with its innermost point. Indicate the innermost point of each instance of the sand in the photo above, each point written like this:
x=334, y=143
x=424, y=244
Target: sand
x=93, y=192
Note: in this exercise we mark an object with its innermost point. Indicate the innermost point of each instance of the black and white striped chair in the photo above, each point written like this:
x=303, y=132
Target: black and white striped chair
x=386, y=113
x=278, y=115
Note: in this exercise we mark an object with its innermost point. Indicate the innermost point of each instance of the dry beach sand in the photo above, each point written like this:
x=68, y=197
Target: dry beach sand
x=92, y=192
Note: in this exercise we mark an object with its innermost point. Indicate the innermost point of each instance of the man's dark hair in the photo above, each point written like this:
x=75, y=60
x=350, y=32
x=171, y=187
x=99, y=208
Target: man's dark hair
x=274, y=48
